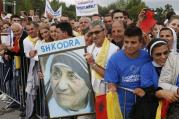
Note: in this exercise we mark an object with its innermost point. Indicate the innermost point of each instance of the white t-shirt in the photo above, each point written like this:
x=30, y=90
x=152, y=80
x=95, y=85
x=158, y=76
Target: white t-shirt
x=98, y=86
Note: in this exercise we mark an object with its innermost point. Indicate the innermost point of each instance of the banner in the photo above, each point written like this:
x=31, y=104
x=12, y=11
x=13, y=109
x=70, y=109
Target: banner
x=49, y=10
x=67, y=79
x=86, y=8
x=61, y=45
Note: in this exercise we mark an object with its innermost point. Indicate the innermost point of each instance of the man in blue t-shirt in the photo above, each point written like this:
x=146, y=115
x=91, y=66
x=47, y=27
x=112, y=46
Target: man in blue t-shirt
x=122, y=72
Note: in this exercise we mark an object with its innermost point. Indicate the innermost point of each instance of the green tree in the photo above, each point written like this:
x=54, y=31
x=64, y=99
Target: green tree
x=102, y=10
x=26, y=5
x=55, y=5
x=162, y=12
x=133, y=7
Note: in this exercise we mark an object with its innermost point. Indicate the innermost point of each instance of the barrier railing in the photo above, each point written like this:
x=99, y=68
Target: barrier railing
x=13, y=84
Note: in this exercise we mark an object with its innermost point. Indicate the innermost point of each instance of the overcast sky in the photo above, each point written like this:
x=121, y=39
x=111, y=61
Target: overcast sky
x=162, y=3
x=151, y=3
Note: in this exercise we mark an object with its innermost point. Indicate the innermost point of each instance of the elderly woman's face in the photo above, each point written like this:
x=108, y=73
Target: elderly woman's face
x=69, y=89
x=160, y=54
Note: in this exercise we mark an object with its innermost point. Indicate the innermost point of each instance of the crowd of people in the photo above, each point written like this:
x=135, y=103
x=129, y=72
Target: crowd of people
x=140, y=65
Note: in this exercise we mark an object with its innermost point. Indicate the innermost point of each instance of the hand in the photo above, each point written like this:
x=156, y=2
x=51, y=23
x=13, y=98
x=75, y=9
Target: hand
x=40, y=74
x=139, y=92
x=32, y=53
x=141, y=17
x=112, y=87
x=89, y=58
x=169, y=95
x=2, y=52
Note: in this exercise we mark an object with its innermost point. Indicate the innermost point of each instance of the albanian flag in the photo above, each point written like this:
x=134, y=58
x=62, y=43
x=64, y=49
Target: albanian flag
x=148, y=22
x=108, y=107
x=101, y=108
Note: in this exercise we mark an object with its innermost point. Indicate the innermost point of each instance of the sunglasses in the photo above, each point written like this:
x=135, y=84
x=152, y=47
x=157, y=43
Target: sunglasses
x=162, y=53
x=96, y=32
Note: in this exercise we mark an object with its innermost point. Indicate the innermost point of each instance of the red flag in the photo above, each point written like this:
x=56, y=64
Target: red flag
x=149, y=21
x=165, y=106
x=101, y=107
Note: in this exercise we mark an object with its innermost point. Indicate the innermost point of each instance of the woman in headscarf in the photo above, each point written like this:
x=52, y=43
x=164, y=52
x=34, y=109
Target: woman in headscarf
x=146, y=105
x=170, y=36
x=68, y=85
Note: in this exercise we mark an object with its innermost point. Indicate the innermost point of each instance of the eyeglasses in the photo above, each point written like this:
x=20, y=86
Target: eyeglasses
x=96, y=32
x=162, y=53
x=16, y=20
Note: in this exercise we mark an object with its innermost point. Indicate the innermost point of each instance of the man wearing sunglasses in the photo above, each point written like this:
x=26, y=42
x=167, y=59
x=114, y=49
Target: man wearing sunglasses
x=15, y=19
x=98, y=54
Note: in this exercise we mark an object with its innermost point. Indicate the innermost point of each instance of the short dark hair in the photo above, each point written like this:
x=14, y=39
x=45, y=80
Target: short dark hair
x=65, y=27
x=29, y=19
x=116, y=11
x=96, y=15
x=133, y=31
x=125, y=13
x=173, y=17
x=107, y=15
x=165, y=29
x=15, y=16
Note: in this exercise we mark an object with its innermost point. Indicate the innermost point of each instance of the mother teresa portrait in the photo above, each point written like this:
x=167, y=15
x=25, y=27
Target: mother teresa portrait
x=67, y=83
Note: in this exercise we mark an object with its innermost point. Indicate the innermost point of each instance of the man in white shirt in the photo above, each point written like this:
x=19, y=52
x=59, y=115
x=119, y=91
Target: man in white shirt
x=98, y=54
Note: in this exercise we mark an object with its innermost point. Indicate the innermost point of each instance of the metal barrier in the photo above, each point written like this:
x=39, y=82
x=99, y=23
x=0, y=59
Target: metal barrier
x=126, y=90
x=13, y=84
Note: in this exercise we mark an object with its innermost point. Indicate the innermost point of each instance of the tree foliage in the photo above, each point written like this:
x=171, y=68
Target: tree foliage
x=162, y=12
x=26, y=5
x=133, y=7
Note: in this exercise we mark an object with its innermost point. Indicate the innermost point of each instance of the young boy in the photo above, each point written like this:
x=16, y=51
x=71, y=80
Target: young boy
x=122, y=72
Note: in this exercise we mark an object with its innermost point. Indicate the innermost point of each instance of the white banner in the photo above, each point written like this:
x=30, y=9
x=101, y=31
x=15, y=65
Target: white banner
x=49, y=10
x=86, y=8
x=58, y=13
x=60, y=45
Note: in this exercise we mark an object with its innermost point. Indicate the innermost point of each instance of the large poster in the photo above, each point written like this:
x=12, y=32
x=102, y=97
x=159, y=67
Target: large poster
x=67, y=82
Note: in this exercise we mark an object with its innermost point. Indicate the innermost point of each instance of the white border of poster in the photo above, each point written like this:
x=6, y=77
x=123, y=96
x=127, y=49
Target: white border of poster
x=72, y=95
x=86, y=8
